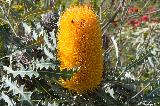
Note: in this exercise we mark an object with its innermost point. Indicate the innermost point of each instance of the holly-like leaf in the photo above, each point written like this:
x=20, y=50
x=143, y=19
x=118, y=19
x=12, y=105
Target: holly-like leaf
x=17, y=90
x=7, y=99
x=44, y=63
x=21, y=72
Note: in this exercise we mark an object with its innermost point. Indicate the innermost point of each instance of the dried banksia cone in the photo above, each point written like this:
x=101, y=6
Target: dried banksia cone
x=49, y=21
x=79, y=45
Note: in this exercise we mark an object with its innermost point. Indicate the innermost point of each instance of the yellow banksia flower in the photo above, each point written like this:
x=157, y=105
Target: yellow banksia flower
x=79, y=45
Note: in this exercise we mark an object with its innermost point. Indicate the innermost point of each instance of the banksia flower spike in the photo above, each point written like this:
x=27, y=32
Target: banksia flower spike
x=79, y=45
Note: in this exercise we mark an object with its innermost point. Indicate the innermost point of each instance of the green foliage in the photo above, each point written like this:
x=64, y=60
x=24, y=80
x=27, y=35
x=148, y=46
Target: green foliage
x=4, y=31
x=29, y=69
x=1, y=47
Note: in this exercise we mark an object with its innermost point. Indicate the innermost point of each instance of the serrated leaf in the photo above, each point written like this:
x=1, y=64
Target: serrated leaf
x=27, y=28
x=53, y=37
x=21, y=72
x=48, y=44
x=16, y=90
x=44, y=64
x=34, y=35
x=48, y=53
x=7, y=99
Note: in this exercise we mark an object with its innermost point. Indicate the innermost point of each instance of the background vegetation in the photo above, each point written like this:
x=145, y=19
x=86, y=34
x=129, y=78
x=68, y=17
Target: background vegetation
x=29, y=69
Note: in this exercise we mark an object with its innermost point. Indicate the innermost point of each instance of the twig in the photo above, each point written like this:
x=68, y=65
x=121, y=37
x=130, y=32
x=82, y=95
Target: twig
x=141, y=91
x=145, y=5
x=114, y=16
x=137, y=15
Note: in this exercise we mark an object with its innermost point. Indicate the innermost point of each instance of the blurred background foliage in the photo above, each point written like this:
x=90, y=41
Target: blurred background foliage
x=29, y=69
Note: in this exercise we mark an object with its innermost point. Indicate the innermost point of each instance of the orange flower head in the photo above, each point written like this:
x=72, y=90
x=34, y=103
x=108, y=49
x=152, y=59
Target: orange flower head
x=79, y=45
